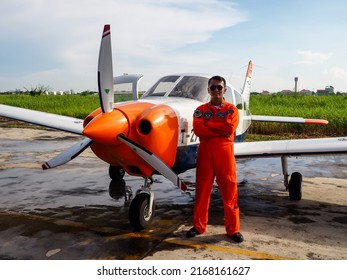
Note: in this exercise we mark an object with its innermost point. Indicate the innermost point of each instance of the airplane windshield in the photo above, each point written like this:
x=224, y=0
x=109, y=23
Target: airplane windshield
x=163, y=86
x=192, y=87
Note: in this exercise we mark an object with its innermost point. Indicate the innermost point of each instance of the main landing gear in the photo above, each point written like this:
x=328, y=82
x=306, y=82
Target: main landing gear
x=142, y=207
x=294, y=184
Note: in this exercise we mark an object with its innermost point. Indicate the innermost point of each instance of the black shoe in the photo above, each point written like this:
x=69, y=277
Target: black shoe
x=192, y=232
x=237, y=237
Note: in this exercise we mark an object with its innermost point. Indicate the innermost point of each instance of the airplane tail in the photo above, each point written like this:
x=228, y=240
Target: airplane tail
x=246, y=91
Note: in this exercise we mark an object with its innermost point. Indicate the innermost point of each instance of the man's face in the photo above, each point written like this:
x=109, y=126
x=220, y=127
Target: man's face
x=216, y=89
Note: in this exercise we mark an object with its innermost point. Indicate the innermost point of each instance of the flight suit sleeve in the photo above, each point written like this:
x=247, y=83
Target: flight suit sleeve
x=199, y=126
x=228, y=127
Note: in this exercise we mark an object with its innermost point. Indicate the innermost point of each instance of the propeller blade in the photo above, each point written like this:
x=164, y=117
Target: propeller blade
x=154, y=161
x=68, y=154
x=105, y=72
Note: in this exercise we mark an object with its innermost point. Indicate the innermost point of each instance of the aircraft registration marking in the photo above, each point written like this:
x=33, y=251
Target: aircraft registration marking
x=188, y=138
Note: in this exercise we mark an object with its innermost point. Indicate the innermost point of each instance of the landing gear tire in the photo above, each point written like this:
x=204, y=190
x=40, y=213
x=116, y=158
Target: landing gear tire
x=116, y=188
x=116, y=172
x=139, y=215
x=295, y=186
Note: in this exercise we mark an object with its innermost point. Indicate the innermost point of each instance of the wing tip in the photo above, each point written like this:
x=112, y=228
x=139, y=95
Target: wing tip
x=316, y=121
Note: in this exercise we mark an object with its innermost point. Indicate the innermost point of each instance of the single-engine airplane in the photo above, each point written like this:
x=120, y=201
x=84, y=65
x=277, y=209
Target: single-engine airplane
x=154, y=134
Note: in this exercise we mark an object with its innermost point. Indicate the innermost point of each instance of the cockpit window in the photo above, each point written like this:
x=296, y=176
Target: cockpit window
x=163, y=86
x=192, y=87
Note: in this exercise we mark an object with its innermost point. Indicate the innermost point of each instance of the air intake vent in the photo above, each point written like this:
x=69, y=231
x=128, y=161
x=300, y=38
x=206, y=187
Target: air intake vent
x=145, y=127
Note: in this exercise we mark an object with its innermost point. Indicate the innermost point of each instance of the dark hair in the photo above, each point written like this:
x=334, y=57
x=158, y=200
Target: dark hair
x=217, y=78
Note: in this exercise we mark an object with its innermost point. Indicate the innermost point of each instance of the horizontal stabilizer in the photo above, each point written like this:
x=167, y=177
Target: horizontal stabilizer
x=68, y=154
x=285, y=119
x=59, y=122
x=154, y=161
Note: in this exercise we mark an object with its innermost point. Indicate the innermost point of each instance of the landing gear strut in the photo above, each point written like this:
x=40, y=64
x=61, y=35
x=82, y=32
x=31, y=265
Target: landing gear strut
x=141, y=211
x=294, y=184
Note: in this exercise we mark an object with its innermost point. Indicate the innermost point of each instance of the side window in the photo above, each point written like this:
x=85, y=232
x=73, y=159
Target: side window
x=228, y=96
x=238, y=99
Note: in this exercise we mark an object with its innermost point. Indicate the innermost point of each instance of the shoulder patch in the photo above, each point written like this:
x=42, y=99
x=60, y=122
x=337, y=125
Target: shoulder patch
x=229, y=112
x=221, y=115
x=208, y=115
x=197, y=114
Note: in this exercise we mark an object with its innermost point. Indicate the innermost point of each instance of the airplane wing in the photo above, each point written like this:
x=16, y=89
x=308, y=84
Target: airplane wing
x=59, y=122
x=297, y=147
x=285, y=119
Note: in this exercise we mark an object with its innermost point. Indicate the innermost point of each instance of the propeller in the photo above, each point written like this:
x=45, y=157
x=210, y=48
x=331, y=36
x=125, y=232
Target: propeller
x=154, y=161
x=105, y=72
x=105, y=85
x=68, y=154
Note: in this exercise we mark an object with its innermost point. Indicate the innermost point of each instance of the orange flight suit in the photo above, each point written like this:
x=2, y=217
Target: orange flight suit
x=216, y=129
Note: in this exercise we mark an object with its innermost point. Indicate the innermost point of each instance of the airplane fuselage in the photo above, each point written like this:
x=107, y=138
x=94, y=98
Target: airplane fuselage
x=161, y=122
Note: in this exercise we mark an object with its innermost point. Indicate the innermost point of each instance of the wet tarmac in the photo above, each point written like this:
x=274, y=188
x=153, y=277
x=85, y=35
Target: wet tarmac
x=67, y=212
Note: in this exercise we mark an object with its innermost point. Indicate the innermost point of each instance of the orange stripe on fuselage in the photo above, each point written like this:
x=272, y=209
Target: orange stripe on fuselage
x=154, y=127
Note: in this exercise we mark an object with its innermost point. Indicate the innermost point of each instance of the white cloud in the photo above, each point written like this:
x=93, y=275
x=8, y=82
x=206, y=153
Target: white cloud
x=310, y=57
x=148, y=31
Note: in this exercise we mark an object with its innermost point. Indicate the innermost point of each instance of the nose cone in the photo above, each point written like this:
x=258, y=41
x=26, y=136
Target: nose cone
x=105, y=128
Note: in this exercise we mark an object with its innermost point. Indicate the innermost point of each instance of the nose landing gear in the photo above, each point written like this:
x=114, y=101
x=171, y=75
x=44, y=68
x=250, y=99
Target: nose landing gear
x=141, y=209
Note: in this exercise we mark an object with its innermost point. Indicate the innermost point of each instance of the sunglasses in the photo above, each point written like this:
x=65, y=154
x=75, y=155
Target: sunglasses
x=213, y=88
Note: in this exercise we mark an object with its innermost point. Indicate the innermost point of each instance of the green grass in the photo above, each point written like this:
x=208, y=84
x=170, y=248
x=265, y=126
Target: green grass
x=331, y=108
x=77, y=106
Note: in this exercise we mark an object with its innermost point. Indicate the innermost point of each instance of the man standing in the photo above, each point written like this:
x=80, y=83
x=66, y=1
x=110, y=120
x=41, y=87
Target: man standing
x=215, y=124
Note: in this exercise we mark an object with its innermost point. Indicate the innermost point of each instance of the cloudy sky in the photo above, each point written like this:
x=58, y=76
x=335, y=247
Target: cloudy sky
x=56, y=43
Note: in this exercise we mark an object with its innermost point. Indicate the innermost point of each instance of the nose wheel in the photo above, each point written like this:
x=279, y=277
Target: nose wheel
x=141, y=211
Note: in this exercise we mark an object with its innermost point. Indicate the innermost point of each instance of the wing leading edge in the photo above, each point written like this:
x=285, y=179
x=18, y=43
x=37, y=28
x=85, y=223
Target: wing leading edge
x=59, y=122
x=296, y=147
x=281, y=119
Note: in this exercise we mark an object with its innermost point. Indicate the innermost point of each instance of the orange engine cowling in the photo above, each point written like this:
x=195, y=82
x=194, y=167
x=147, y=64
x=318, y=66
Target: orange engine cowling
x=157, y=128
x=153, y=127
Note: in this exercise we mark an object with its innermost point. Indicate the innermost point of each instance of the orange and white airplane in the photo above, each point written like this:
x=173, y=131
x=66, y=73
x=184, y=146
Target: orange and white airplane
x=154, y=134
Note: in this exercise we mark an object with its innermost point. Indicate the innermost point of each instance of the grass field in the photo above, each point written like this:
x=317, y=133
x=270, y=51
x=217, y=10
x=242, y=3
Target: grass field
x=331, y=108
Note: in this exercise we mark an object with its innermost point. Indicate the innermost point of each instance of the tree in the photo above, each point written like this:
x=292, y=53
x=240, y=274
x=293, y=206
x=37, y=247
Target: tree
x=38, y=90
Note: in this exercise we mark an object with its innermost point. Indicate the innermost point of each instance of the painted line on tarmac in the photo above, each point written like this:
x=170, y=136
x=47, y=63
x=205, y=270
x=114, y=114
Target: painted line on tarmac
x=236, y=251
x=125, y=234
x=62, y=222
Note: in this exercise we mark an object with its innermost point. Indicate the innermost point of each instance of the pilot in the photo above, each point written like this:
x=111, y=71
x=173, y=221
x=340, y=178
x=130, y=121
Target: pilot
x=215, y=124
